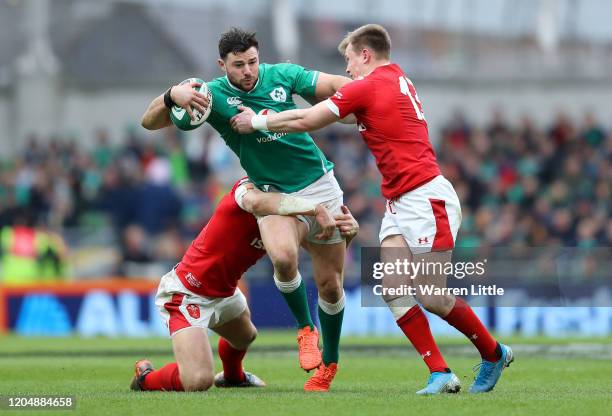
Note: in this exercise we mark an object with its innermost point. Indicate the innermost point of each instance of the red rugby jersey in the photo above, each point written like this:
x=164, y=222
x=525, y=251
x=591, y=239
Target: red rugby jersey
x=391, y=121
x=223, y=251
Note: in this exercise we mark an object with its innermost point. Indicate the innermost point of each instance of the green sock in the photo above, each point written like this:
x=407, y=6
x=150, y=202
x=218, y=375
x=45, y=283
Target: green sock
x=331, y=326
x=298, y=303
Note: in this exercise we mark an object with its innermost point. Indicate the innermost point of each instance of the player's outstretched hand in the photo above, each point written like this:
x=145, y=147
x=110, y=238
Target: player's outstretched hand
x=326, y=221
x=241, y=122
x=346, y=223
x=187, y=97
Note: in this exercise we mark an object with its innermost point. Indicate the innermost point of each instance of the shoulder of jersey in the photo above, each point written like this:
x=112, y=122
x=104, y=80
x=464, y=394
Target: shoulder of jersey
x=216, y=82
x=272, y=69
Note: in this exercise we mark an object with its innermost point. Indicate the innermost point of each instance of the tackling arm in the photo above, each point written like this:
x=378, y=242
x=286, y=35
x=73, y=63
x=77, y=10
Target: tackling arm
x=308, y=119
x=271, y=203
x=327, y=85
x=261, y=203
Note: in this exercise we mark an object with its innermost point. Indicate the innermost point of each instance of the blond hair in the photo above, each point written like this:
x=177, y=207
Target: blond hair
x=371, y=36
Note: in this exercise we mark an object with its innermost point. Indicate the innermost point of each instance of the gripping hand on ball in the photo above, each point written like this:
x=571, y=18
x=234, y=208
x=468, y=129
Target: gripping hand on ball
x=187, y=97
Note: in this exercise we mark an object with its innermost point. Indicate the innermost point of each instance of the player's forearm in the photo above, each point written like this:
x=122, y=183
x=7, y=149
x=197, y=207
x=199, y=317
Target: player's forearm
x=156, y=116
x=271, y=203
x=290, y=121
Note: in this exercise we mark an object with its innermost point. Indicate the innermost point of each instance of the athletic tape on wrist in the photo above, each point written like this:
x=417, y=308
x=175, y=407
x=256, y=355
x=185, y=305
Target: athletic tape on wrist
x=259, y=122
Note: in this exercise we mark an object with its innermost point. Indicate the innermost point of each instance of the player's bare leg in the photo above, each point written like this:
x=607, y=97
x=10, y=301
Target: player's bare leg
x=455, y=311
x=281, y=236
x=194, y=358
x=328, y=269
x=192, y=371
x=413, y=322
x=236, y=337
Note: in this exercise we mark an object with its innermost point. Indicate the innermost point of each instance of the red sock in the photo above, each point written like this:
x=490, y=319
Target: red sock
x=166, y=378
x=231, y=358
x=416, y=327
x=465, y=320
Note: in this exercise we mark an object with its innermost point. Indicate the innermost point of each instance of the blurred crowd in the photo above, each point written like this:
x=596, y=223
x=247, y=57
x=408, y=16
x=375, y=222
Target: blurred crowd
x=519, y=185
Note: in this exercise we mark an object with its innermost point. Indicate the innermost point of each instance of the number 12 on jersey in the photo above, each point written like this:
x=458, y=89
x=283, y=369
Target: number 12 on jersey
x=405, y=85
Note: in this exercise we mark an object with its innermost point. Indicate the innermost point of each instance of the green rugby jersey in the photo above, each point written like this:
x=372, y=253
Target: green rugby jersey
x=286, y=161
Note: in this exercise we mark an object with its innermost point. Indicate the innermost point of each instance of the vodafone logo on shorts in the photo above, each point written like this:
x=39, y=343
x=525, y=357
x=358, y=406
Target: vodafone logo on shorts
x=193, y=311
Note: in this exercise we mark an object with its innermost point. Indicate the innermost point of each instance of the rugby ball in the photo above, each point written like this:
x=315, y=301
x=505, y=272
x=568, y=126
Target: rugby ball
x=179, y=116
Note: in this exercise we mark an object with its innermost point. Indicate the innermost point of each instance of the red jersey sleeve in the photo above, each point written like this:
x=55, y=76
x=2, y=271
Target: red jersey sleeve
x=349, y=99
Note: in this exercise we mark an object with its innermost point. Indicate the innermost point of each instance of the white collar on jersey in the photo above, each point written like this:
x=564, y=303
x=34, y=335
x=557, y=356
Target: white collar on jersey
x=241, y=90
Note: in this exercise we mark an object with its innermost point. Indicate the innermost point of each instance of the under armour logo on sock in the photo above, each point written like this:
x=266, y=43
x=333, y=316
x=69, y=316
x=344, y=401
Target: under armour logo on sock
x=474, y=336
x=427, y=354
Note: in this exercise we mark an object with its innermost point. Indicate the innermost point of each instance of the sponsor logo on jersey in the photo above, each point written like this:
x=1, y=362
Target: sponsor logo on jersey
x=278, y=94
x=192, y=280
x=270, y=137
x=234, y=101
x=258, y=243
x=193, y=311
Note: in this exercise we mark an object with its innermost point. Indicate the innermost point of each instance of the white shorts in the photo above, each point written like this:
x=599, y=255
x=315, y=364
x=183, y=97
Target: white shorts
x=180, y=308
x=325, y=191
x=428, y=217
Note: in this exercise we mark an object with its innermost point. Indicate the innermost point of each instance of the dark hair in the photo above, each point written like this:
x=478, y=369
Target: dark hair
x=236, y=40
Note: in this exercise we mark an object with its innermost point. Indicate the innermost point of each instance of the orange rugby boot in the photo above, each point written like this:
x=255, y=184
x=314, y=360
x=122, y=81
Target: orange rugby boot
x=322, y=378
x=141, y=369
x=308, y=347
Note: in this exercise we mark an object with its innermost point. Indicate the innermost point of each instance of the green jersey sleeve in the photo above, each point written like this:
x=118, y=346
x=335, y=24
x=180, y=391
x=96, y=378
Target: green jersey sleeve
x=303, y=81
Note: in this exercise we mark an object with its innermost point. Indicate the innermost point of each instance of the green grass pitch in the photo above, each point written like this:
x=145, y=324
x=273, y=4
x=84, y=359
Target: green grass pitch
x=376, y=376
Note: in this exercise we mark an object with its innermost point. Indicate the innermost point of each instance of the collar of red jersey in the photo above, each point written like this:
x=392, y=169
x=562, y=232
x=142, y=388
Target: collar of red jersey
x=379, y=66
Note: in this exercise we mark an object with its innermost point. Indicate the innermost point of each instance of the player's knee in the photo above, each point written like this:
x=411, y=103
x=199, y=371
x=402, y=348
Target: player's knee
x=253, y=336
x=246, y=340
x=199, y=380
x=440, y=305
x=330, y=290
x=250, y=338
x=285, y=261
